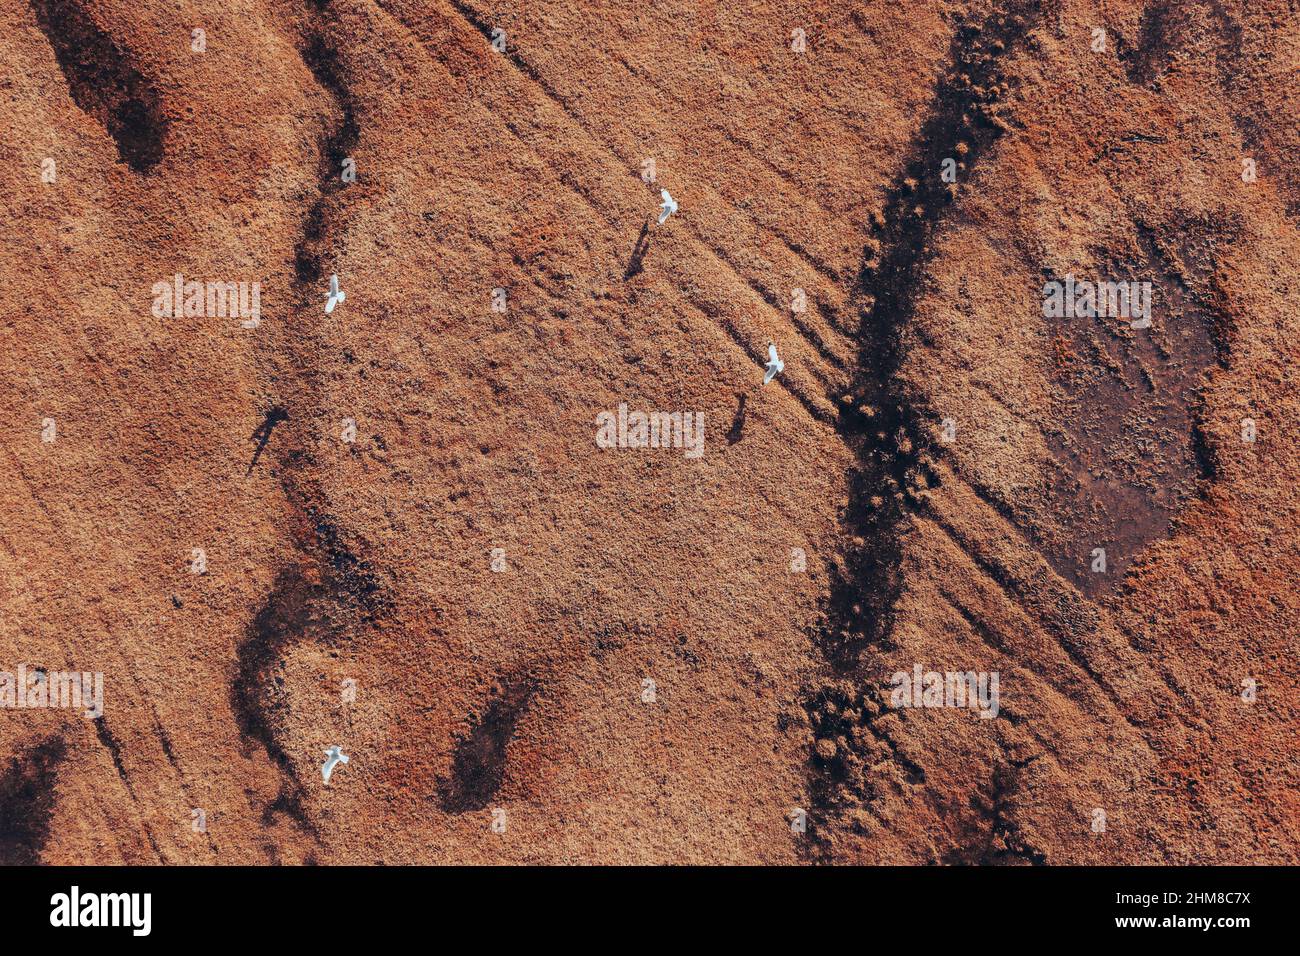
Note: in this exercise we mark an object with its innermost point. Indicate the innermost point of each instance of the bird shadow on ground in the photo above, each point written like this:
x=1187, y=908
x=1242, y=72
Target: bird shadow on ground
x=734, y=434
x=639, y=250
x=274, y=416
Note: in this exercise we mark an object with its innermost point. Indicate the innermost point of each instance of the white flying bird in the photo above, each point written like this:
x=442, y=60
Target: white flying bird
x=669, y=206
x=333, y=757
x=335, y=296
x=774, y=364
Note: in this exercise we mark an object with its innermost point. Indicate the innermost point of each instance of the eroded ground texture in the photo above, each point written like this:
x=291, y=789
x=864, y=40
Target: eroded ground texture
x=535, y=649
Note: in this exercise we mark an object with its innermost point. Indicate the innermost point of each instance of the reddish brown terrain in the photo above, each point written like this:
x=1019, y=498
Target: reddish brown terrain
x=538, y=650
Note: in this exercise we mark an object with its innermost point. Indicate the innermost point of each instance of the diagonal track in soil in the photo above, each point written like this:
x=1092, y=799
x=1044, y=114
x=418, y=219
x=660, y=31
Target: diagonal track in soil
x=619, y=164
x=1267, y=141
x=74, y=651
x=322, y=58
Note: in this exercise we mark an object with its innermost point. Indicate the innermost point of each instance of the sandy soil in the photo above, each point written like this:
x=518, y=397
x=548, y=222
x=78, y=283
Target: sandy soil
x=535, y=649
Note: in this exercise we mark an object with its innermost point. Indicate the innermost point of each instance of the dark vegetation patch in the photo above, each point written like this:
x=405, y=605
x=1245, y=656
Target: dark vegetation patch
x=103, y=82
x=479, y=764
x=27, y=800
x=880, y=421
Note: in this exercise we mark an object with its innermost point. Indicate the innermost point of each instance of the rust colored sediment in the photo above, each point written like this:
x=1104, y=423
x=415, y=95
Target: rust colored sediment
x=391, y=528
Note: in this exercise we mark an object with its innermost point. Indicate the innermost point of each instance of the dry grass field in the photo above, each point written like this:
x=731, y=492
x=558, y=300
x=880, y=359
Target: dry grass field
x=394, y=528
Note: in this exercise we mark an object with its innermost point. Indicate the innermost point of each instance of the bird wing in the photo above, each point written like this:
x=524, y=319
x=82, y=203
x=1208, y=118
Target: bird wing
x=771, y=353
x=667, y=198
x=334, y=285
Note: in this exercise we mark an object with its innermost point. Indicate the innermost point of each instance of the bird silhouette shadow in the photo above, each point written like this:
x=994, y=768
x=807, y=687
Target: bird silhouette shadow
x=734, y=433
x=274, y=415
x=634, y=265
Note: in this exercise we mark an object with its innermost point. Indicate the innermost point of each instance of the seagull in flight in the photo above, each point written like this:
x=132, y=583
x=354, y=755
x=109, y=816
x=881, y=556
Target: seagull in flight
x=669, y=206
x=335, y=296
x=333, y=757
x=774, y=364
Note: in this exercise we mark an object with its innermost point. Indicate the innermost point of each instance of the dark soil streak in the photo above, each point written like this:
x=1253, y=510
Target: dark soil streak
x=883, y=423
x=104, y=84
x=27, y=797
x=478, y=766
x=1159, y=34
x=329, y=594
x=322, y=58
x=1000, y=843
